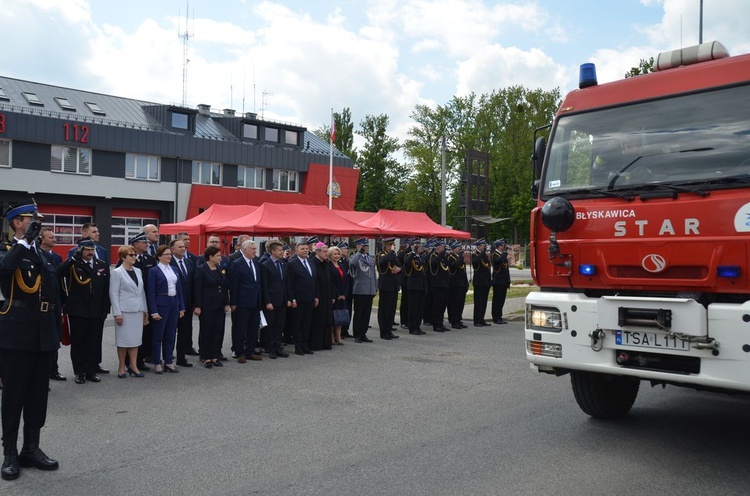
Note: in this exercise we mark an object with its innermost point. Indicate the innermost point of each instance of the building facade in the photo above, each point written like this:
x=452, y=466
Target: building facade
x=123, y=163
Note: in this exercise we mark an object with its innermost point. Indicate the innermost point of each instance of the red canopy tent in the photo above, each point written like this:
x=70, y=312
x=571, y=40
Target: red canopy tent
x=291, y=218
x=354, y=215
x=213, y=214
x=402, y=223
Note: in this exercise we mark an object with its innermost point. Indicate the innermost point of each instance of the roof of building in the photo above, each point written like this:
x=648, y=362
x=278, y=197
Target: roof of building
x=34, y=98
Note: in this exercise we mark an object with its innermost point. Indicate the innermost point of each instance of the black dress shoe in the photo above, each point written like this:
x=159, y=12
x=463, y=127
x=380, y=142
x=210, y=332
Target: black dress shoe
x=308, y=351
x=478, y=324
x=57, y=376
x=387, y=337
x=414, y=332
x=456, y=326
x=143, y=367
x=80, y=379
x=393, y=336
x=501, y=321
x=463, y=326
x=191, y=352
x=11, y=469
x=100, y=370
x=183, y=363
x=282, y=354
x=485, y=323
x=358, y=340
x=365, y=339
x=93, y=378
x=299, y=352
x=272, y=355
x=439, y=329
x=34, y=457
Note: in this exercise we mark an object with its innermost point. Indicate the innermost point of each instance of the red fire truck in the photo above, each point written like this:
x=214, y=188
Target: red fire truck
x=641, y=234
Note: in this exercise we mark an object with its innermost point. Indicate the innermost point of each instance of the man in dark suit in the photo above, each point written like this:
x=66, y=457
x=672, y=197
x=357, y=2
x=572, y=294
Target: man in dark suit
x=275, y=303
x=185, y=237
x=245, y=288
x=388, y=268
x=302, y=295
x=28, y=337
x=86, y=283
x=186, y=271
x=90, y=230
x=46, y=242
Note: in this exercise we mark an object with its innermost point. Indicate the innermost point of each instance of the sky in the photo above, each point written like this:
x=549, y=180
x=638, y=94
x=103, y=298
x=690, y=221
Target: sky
x=293, y=61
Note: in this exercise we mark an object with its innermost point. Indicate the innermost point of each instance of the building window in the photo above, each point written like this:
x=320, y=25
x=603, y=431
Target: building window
x=250, y=131
x=143, y=167
x=291, y=138
x=251, y=177
x=71, y=160
x=64, y=103
x=65, y=226
x=5, y=149
x=94, y=108
x=285, y=181
x=3, y=96
x=32, y=99
x=124, y=228
x=272, y=134
x=179, y=121
x=206, y=173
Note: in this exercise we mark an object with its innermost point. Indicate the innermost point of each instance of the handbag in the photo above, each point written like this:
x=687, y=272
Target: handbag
x=340, y=316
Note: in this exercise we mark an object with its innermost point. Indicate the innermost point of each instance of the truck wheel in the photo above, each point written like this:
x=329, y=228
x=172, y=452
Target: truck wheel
x=604, y=396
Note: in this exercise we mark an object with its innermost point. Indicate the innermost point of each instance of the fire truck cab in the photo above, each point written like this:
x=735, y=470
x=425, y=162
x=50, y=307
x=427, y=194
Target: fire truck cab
x=640, y=239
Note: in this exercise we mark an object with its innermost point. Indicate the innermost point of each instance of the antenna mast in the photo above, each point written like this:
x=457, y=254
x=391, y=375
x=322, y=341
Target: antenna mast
x=185, y=37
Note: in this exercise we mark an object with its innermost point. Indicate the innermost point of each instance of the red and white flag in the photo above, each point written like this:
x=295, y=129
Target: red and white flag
x=333, y=129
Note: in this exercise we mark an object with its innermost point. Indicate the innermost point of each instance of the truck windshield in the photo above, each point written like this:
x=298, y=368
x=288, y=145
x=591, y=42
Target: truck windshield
x=702, y=138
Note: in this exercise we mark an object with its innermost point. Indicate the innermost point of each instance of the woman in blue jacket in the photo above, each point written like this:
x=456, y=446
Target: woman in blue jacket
x=165, y=304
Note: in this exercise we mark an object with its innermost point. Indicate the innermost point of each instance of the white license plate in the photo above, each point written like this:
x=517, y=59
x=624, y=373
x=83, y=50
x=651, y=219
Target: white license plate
x=656, y=340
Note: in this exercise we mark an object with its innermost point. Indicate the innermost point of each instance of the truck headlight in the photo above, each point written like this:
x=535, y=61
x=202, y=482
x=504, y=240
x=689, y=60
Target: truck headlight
x=544, y=318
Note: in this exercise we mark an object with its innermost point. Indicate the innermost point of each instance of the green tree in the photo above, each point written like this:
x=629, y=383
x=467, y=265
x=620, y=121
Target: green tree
x=380, y=176
x=644, y=67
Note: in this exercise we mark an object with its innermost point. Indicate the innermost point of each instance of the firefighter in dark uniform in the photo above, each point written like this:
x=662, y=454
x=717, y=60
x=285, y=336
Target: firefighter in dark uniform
x=85, y=281
x=459, y=286
x=388, y=267
x=482, y=281
x=500, y=280
x=403, y=309
x=429, y=247
x=440, y=283
x=28, y=339
x=415, y=274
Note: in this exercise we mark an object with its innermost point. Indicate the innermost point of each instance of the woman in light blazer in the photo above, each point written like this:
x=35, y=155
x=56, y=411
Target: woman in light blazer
x=128, y=297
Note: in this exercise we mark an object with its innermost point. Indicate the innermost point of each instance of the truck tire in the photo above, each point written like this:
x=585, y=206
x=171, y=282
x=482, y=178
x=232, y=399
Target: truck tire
x=604, y=396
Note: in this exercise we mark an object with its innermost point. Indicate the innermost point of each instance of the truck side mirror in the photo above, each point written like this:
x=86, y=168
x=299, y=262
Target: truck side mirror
x=537, y=158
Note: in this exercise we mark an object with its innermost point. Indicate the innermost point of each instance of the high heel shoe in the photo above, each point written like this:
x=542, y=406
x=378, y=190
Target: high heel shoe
x=171, y=370
x=122, y=376
x=158, y=369
x=133, y=373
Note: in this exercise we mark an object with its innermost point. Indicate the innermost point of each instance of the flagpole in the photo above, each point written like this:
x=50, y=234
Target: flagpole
x=330, y=164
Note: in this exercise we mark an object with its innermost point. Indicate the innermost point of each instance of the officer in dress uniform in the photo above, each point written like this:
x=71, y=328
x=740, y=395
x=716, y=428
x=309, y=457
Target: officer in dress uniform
x=28, y=339
x=440, y=283
x=482, y=281
x=86, y=285
x=364, y=286
x=403, y=311
x=500, y=280
x=459, y=286
x=416, y=286
x=388, y=267
x=429, y=247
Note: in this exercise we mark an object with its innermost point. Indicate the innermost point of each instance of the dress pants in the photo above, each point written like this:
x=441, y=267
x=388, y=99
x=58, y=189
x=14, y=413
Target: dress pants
x=387, y=310
x=498, y=301
x=416, y=308
x=362, y=311
x=428, y=300
x=163, y=332
x=403, y=312
x=481, y=295
x=439, y=303
x=211, y=333
x=276, y=320
x=245, y=328
x=185, y=334
x=85, y=344
x=301, y=320
x=25, y=389
x=456, y=303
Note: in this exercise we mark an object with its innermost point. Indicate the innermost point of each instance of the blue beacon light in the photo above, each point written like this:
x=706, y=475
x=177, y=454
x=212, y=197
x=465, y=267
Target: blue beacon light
x=587, y=269
x=587, y=76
